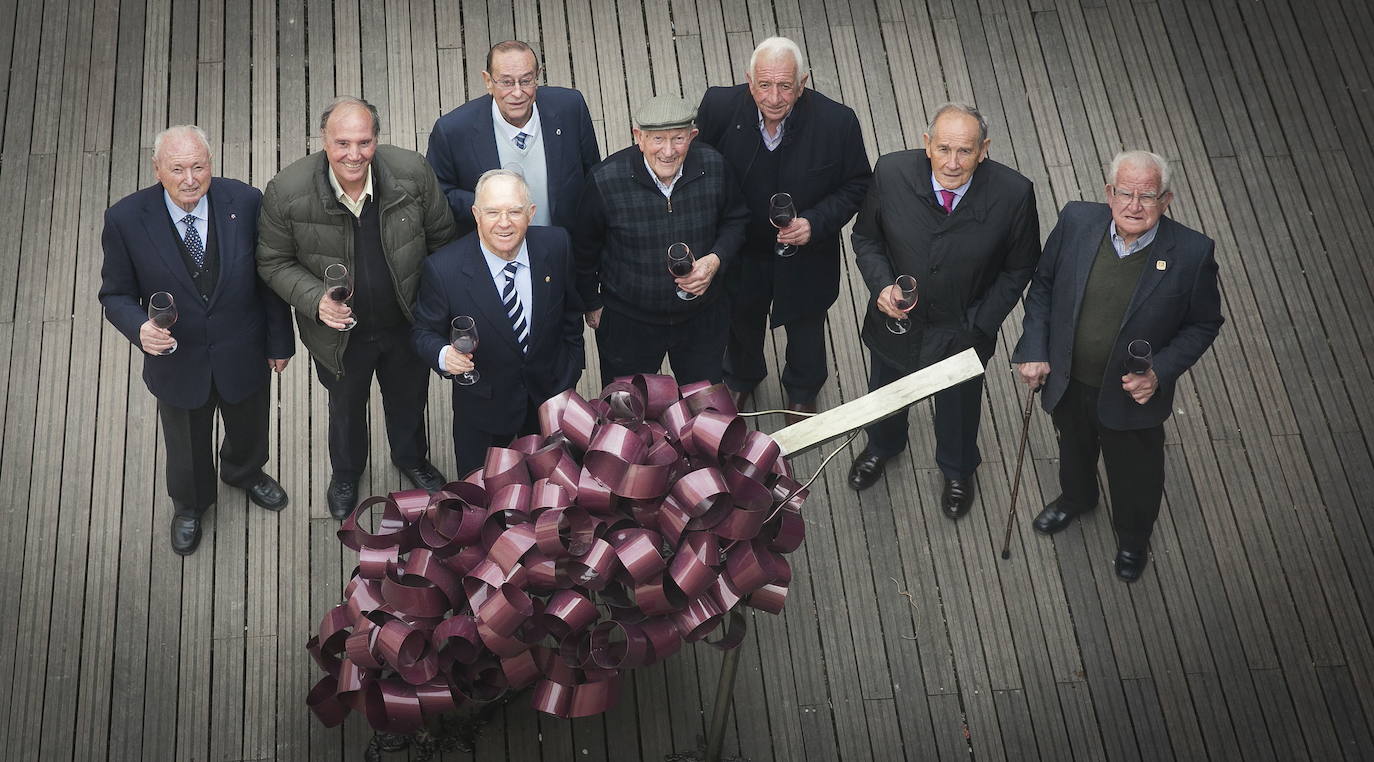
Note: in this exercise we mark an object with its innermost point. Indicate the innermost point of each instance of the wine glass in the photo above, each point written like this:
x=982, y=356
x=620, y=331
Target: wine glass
x=905, y=299
x=1139, y=357
x=338, y=284
x=463, y=339
x=680, y=262
x=781, y=212
x=162, y=310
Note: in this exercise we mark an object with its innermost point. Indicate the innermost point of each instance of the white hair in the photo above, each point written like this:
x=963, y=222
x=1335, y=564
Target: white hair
x=774, y=48
x=496, y=174
x=180, y=131
x=960, y=108
x=1145, y=160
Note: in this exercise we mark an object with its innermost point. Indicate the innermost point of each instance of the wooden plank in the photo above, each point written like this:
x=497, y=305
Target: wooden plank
x=1343, y=699
x=400, y=74
x=1148, y=719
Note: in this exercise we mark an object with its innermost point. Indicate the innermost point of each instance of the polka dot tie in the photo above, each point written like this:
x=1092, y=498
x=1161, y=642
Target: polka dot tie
x=193, y=243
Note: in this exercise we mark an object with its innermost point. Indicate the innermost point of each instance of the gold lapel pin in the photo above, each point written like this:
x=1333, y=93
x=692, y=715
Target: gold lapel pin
x=546, y=279
x=1161, y=265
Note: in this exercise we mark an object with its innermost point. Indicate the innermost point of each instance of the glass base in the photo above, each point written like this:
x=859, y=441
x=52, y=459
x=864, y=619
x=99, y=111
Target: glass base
x=467, y=379
x=784, y=249
x=686, y=296
x=898, y=327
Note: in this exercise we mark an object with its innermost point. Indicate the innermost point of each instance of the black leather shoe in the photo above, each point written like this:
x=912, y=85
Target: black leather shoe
x=185, y=534
x=343, y=498
x=866, y=469
x=1130, y=564
x=425, y=476
x=1052, y=518
x=957, y=497
x=266, y=492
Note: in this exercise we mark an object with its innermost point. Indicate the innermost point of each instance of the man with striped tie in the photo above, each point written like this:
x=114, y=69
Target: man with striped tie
x=516, y=283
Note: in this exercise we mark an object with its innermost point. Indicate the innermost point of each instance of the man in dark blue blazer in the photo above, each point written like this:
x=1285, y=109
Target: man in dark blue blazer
x=544, y=133
x=516, y=283
x=781, y=137
x=1113, y=274
x=193, y=236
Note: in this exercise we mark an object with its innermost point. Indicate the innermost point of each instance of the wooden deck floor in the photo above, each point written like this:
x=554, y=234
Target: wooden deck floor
x=905, y=636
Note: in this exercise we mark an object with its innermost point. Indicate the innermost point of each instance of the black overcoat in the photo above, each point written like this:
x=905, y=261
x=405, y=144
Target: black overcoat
x=971, y=266
x=823, y=165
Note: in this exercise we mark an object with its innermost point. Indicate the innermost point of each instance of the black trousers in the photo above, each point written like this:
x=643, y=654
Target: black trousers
x=804, y=370
x=957, y=413
x=190, y=438
x=404, y=380
x=470, y=444
x=694, y=347
x=1134, y=459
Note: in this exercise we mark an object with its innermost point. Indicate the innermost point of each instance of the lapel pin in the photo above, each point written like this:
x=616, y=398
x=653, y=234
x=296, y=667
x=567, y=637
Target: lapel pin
x=1161, y=265
x=558, y=131
x=546, y=279
x=233, y=216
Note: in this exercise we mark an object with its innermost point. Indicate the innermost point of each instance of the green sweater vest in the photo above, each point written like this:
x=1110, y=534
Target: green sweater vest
x=1110, y=286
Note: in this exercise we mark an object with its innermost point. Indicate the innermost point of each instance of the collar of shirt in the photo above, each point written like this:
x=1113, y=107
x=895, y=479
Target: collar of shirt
x=356, y=207
x=1123, y=250
x=771, y=142
x=202, y=213
x=508, y=131
x=496, y=264
x=958, y=192
x=665, y=188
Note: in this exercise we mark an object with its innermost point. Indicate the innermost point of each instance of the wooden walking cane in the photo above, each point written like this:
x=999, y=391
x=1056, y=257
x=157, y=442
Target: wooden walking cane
x=816, y=431
x=1016, y=482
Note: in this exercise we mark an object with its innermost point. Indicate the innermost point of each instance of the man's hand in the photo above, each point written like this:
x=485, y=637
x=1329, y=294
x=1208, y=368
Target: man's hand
x=887, y=303
x=699, y=279
x=1140, y=387
x=457, y=363
x=154, y=340
x=1033, y=374
x=593, y=318
x=278, y=364
x=797, y=232
x=336, y=315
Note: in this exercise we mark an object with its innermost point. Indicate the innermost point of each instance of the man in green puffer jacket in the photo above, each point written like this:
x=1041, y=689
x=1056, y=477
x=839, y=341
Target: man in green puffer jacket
x=377, y=210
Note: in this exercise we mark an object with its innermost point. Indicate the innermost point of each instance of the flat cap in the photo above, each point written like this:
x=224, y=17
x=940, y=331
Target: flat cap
x=665, y=112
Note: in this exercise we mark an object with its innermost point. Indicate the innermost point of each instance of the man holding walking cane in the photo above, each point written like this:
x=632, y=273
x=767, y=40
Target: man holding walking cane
x=1123, y=302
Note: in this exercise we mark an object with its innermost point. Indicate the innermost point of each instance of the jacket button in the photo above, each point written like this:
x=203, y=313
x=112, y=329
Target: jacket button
x=934, y=270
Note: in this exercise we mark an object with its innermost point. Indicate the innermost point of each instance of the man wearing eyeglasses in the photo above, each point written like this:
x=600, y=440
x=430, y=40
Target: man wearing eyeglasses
x=1113, y=274
x=516, y=283
x=543, y=133
x=781, y=137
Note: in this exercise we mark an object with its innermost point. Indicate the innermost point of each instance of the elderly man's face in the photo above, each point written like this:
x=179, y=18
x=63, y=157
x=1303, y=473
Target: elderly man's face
x=350, y=144
x=183, y=167
x=503, y=215
x=665, y=150
x=512, y=82
x=775, y=87
x=954, y=150
x=1136, y=201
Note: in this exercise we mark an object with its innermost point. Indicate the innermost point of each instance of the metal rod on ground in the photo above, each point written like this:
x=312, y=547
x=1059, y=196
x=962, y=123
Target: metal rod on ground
x=1016, y=482
x=725, y=691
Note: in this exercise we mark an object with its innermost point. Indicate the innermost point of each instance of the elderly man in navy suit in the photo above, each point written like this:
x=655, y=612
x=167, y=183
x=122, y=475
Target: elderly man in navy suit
x=1113, y=274
x=544, y=133
x=193, y=236
x=516, y=283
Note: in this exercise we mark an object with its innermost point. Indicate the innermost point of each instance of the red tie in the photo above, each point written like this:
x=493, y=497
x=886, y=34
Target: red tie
x=947, y=198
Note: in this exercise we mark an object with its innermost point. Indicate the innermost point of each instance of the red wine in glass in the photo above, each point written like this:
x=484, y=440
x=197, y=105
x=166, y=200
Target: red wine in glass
x=1139, y=357
x=162, y=311
x=338, y=284
x=680, y=261
x=905, y=298
x=781, y=212
x=463, y=339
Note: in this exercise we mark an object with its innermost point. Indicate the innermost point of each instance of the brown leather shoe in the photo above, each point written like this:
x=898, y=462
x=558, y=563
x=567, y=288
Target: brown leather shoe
x=799, y=407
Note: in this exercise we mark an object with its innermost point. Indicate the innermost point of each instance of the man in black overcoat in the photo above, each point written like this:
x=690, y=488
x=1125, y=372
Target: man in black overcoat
x=781, y=137
x=966, y=228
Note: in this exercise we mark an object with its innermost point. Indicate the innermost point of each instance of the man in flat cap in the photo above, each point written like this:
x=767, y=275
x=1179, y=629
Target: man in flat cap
x=663, y=193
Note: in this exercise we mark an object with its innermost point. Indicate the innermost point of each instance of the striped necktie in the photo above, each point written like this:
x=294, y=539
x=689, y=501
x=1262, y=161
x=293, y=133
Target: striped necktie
x=520, y=138
x=514, y=310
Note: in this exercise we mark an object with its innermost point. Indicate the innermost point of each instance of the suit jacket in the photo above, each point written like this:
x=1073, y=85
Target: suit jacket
x=970, y=266
x=823, y=165
x=462, y=146
x=1176, y=306
x=456, y=281
x=226, y=339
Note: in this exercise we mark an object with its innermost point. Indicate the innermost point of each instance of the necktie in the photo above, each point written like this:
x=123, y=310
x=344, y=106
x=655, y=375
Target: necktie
x=193, y=243
x=947, y=198
x=514, y=311
x=520, y=138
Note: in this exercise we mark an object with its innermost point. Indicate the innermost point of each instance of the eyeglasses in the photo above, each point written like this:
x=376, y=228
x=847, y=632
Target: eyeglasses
x=515, y=215
x=1147, y=200
x=524, y=83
